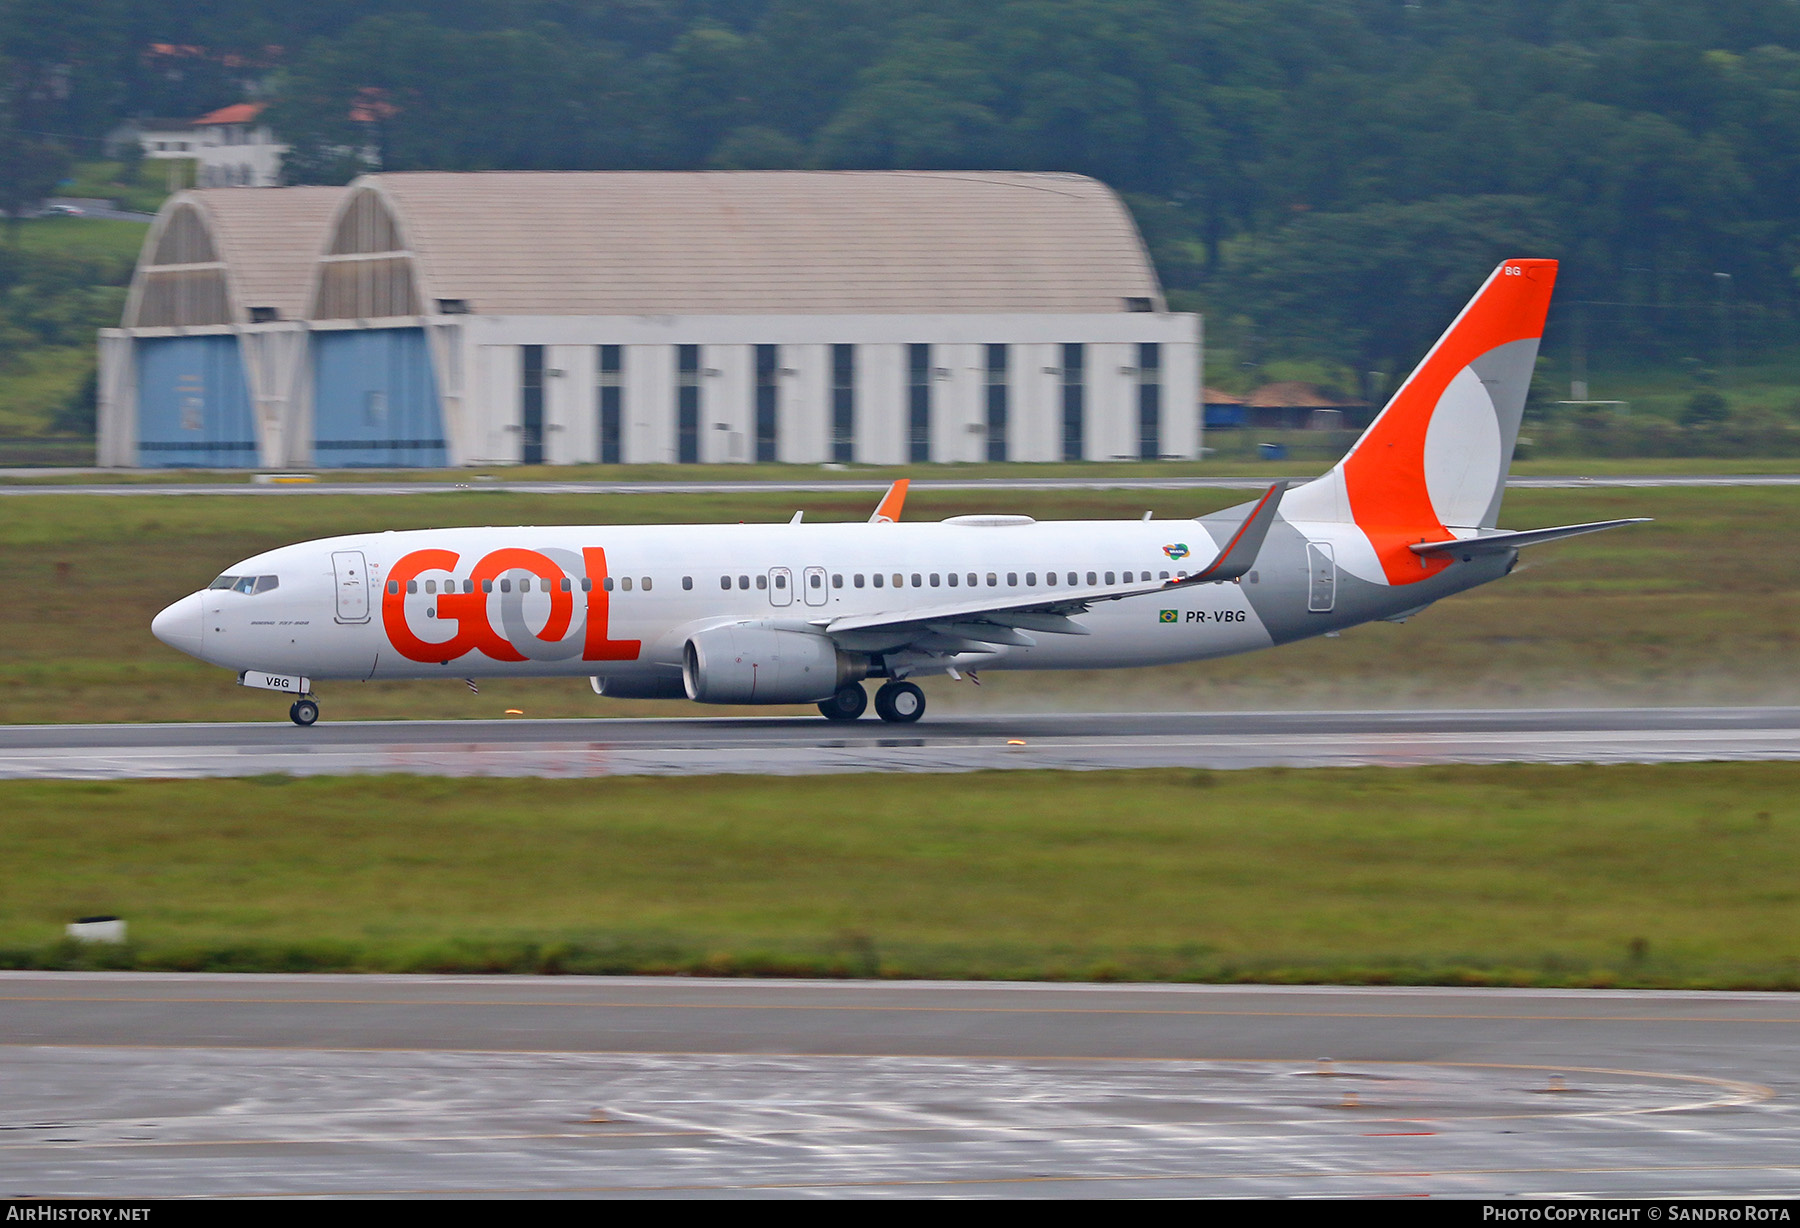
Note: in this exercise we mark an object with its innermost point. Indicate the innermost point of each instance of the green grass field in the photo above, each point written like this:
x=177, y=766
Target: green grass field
x=1671, y=875
x=1093, y=470
x=1701, y=607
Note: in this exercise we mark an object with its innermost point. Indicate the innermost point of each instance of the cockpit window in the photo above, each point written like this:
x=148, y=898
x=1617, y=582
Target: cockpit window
x=247, y=584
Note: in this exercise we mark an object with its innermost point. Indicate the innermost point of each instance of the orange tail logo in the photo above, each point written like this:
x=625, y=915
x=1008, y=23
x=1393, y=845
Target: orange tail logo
x=1436, y=458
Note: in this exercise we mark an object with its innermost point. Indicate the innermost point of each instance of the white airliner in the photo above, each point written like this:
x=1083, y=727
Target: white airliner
x=804, y=613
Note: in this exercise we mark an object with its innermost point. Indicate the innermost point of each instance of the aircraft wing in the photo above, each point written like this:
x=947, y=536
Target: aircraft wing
x=1493, y=541
x=962, y=626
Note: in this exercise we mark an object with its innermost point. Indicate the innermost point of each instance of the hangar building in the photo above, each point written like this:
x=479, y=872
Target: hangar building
x=627, y=317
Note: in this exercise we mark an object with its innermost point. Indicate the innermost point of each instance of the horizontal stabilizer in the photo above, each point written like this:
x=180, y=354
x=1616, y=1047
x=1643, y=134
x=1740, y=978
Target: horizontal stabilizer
x=1492, y=542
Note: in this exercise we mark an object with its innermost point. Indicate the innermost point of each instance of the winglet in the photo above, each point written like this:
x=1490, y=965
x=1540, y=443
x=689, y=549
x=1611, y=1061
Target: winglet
x=888, y=511
x=1239, y=554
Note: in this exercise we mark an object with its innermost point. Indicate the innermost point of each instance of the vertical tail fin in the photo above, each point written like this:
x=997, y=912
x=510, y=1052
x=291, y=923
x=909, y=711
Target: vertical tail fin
x=1436, y=458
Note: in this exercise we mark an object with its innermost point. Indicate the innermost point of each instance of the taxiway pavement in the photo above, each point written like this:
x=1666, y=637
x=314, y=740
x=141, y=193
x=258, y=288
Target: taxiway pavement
x=811, y=745
x=122, y=1085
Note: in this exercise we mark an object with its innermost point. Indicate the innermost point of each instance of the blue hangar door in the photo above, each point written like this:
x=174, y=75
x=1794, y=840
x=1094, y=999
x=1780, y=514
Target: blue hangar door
x=375, y=400
x=194, y=403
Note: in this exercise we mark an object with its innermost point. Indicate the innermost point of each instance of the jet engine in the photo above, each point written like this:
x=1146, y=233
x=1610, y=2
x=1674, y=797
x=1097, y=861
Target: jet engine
x=749, y=664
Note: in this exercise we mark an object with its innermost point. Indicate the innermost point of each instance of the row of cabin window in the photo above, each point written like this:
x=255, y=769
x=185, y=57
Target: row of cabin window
x=858, y=580
x=935, y=580
x=566, y=585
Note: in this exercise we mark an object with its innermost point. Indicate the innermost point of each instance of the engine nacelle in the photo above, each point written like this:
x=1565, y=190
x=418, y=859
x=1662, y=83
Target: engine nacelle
x=761, y=665
x=629, y=686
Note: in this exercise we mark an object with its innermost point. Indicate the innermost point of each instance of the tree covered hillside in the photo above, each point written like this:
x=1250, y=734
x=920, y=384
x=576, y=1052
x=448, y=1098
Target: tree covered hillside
x=1332, y=172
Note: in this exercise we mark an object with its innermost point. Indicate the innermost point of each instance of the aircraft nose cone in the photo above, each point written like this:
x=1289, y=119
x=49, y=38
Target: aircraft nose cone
x=179, y=625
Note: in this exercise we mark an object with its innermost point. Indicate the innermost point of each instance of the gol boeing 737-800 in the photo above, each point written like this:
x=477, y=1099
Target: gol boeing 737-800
x=804, y=613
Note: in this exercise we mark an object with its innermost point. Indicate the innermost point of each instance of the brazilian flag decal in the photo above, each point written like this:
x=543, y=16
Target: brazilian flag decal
x=1168, y=616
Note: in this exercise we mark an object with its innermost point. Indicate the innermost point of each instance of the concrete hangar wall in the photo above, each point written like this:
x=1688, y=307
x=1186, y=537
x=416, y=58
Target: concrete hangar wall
x=634, y=317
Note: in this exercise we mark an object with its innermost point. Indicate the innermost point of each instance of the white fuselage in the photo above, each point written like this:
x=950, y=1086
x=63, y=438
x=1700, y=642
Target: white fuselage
x=323, y=620
x=620, y=603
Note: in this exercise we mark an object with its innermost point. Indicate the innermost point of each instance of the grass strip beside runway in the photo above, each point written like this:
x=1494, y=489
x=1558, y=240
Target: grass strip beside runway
x=1675, y=875
x=1701, y=607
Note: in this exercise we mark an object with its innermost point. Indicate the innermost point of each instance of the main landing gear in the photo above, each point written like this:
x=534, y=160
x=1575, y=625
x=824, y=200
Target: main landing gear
x=848, y=704
x=899, y=703
x=304, y=712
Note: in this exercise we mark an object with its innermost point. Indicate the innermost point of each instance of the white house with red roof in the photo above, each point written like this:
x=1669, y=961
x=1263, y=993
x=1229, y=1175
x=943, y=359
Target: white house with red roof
x=229, y=147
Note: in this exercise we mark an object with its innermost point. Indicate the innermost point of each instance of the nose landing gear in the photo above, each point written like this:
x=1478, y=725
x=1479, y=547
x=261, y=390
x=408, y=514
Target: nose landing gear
x=304, y=712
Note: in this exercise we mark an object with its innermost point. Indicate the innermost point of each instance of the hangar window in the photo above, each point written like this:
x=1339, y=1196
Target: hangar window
x=843, y=403
x=1149, y=400
x=367, y=271
x=996, y=402
x=768, y=400
x=918, y=403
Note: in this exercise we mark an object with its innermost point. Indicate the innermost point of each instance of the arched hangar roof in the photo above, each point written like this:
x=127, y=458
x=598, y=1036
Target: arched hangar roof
x=731, y=242
x=214, y=254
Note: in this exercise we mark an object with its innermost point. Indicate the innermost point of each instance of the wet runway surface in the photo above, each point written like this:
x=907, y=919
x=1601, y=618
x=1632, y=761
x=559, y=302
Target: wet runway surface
x=808, y=746
x=121, y=1084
